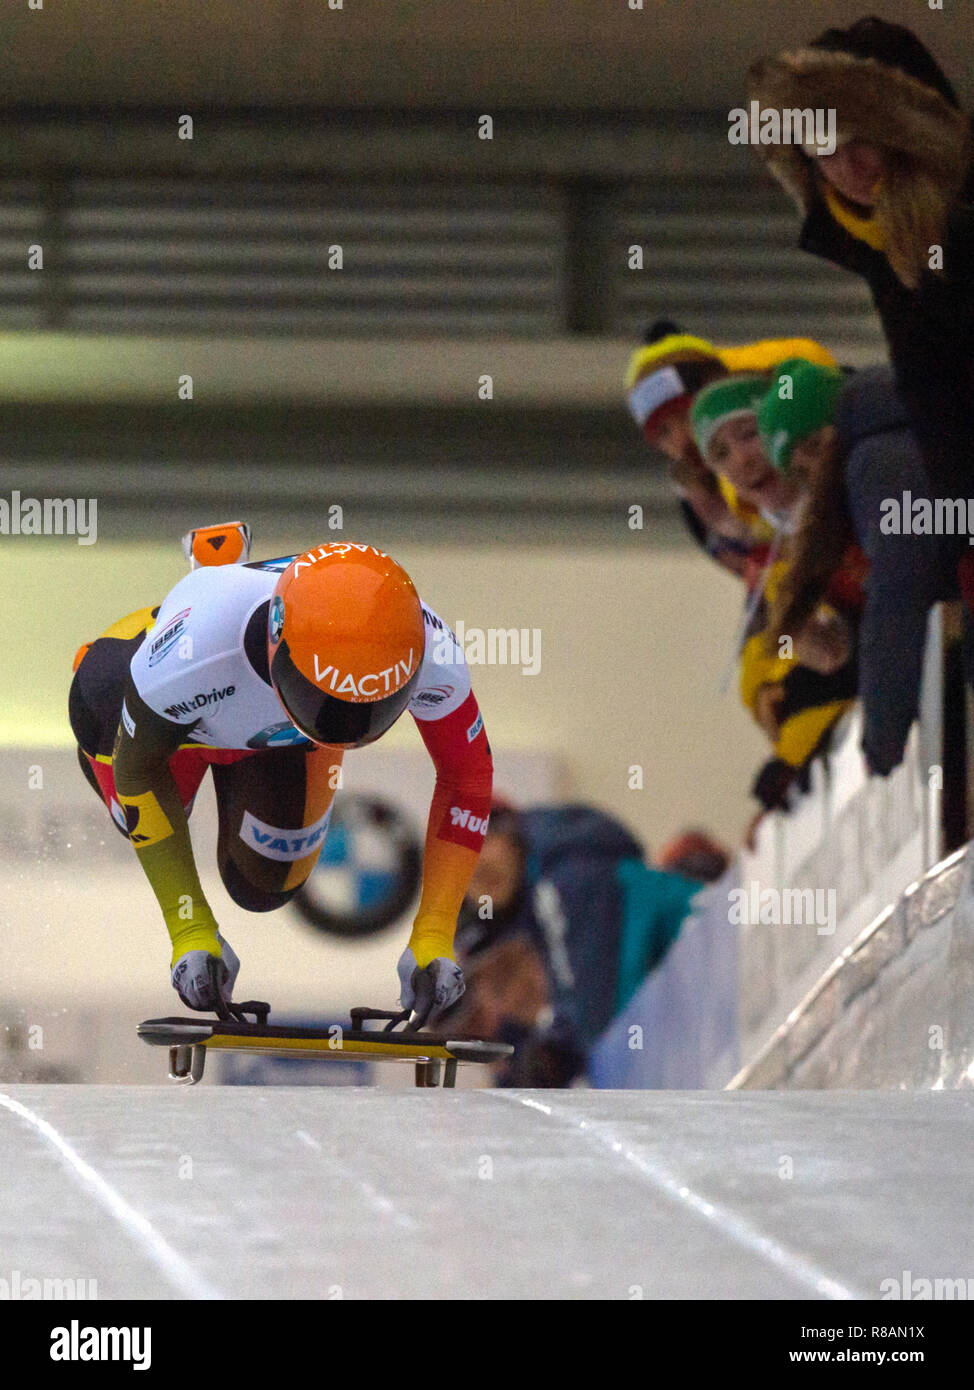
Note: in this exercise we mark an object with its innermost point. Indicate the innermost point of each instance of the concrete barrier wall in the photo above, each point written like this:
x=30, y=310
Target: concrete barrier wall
x=732, y=978
x=738, y=972
x=856, y=842
x=896, y=1009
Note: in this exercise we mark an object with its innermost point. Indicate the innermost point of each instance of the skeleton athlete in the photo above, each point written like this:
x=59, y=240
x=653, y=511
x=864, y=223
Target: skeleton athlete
x=267, y=672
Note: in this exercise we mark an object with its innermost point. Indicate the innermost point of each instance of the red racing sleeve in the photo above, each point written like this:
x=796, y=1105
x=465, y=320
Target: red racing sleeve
x=457, y=824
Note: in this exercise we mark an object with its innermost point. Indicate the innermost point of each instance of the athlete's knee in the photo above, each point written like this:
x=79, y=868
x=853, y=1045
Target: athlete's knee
x=251, y=896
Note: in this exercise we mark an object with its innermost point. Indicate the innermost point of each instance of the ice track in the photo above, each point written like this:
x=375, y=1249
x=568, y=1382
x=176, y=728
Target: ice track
x=244, y=1192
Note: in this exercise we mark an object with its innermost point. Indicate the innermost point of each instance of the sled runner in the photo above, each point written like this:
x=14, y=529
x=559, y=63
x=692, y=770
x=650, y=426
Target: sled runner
x=435, y=1056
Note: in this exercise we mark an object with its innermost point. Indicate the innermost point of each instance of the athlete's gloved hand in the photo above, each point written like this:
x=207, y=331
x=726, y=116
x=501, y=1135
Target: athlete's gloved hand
x=431, y=992
x=204, y=981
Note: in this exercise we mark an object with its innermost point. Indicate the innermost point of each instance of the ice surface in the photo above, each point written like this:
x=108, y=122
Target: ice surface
x=340, y=1192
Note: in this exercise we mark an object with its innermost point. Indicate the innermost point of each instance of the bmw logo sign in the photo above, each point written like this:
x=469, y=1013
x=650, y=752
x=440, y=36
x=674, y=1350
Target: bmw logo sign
x=275, y=624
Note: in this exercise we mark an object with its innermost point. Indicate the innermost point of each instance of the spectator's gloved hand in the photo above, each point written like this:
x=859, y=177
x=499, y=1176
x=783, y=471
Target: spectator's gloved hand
x=430, y=992
x=773, y=783
x=202, y=980
x=825, y=643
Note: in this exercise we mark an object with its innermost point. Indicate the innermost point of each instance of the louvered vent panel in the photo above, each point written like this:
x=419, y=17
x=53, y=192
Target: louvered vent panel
x=23, y=292
x=435, y=258
x=420, y=258
x=722, y=261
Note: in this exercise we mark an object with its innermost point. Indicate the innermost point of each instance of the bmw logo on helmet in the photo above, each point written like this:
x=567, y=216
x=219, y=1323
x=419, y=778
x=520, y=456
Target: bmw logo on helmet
x=275, y=621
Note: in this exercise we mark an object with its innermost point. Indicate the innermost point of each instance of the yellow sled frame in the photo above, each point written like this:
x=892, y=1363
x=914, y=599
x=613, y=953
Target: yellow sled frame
x=435, y=1059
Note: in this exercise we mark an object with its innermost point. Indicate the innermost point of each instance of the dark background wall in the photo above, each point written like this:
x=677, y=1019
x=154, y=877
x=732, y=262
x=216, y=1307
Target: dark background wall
x=420, y=54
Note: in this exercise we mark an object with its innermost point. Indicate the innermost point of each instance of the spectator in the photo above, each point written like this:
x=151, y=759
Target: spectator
x=724, y=424
x=796, y=431
x=796, y=703
x=662, y=377
x=895, y=205
x=854, y=444
x=694, y=854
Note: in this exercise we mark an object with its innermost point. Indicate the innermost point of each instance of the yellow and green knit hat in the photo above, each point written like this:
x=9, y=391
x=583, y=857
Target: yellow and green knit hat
x=669, y=367
x=725, y=400
x=801, y=400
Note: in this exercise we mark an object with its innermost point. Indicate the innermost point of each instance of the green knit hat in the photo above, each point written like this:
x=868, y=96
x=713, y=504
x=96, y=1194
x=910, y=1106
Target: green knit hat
x=801, y=400
x=727, y=399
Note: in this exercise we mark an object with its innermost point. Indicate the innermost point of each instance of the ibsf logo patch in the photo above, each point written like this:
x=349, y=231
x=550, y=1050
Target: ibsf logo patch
x=433, y=695
x=275, y=619
x=161, y=645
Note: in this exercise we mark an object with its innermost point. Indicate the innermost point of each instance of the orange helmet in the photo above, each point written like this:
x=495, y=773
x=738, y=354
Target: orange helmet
x=345, y=642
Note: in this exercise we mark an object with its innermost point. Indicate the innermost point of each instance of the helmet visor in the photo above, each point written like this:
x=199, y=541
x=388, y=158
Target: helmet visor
x=326, y=719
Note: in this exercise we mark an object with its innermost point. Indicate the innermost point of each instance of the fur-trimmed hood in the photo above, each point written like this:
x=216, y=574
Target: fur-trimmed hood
x=926, y=140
